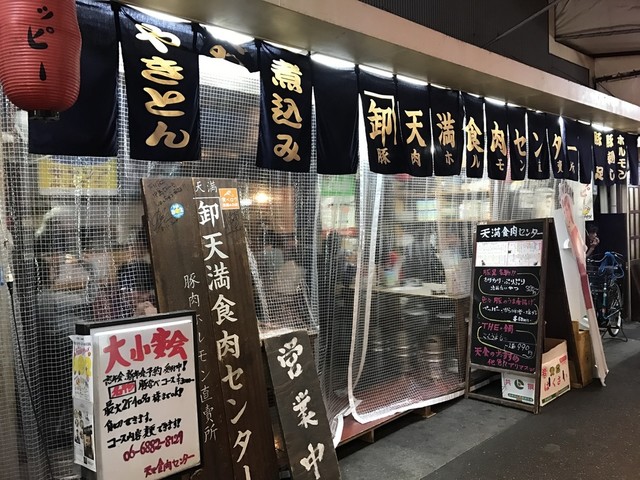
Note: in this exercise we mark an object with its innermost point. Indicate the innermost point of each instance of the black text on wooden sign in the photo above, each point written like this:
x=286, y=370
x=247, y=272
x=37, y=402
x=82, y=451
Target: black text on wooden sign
x=301, y=410
x=200, y=262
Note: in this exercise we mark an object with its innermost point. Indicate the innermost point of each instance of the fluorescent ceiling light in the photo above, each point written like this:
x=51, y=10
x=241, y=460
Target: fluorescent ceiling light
x=331, y=61
x=301, y=51
x=601, y=128
x=376, y=71
x=159, y=15
x=411, y=80
x=495, y=101
x=228, y=35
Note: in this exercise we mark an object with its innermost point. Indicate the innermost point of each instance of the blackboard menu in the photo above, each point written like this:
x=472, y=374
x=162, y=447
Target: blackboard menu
x=506, y=296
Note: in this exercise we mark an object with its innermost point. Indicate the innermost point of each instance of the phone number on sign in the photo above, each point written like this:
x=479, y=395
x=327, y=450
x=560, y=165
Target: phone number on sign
x=151, y=446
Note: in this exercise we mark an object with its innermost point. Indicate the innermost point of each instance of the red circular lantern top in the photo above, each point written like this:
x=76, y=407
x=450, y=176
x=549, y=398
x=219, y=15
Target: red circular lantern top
x=40, y=53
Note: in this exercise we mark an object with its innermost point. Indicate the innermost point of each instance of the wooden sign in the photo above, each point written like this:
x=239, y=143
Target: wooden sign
x=135, y=397
x=200, y=262
x=301, y=410
x=517, y=278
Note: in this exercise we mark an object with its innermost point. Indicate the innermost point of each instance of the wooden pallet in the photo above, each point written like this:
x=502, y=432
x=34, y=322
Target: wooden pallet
x=366, y=431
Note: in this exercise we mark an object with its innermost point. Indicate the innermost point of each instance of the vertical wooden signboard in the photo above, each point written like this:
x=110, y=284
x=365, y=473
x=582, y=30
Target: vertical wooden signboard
x=200, y=262
x=510, y=298
x=301, y=411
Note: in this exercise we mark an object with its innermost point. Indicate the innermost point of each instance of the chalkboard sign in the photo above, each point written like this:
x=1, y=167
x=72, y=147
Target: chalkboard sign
x=506, y=306
x=516, y=279
x=506, y=296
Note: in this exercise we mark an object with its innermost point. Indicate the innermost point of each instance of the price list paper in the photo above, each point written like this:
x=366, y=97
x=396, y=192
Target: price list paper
x=146, y=414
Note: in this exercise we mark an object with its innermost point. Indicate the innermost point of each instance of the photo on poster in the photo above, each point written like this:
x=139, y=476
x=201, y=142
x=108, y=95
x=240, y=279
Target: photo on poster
x=83, y=434
x=82, y=368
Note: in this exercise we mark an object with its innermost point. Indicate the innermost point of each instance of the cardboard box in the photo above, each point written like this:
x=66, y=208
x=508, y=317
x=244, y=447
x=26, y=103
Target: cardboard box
x=581, y=367
x=554, y=376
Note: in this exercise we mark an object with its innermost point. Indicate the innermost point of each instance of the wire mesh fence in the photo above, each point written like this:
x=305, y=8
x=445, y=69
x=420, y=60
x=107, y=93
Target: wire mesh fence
x=326, y=254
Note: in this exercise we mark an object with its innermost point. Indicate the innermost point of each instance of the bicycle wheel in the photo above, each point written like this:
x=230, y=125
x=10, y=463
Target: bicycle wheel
x=615, y=308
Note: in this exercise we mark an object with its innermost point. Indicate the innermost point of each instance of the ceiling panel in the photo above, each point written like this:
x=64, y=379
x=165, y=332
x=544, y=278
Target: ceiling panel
x=599, y=27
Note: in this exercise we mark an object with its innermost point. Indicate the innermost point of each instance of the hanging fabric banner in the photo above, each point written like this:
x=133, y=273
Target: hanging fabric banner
x=572, y=142
x=622, y=159
x=557, y=147
x=585, y=151
x=538, y=146
x=336, y=95
x=497, y=158
x=284, y=141
x=245, y=54
x=163, y=87
x=516, y=117
x=380, y=109
x=413, y=101
x=474, y=138
x=600, y=165
x=632, y=147
x=89, y=127
x=446, y=111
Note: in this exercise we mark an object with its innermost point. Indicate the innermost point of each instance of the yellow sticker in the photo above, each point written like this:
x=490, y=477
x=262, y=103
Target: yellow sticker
x=229, y=198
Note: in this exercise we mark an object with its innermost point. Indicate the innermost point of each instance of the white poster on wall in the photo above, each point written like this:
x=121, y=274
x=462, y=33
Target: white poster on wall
x=84, y=446
x=585, y=202
x=82, y=367
x=145, y=398
x=521, y=253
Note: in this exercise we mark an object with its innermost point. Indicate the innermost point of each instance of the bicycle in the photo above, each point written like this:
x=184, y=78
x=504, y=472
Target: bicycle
x=604, y=274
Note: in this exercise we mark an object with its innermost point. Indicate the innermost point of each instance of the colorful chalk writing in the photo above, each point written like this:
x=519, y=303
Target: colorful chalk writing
x=506, y=296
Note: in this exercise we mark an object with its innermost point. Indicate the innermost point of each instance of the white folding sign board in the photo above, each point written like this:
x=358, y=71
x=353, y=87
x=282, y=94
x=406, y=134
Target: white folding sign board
x=145, y=398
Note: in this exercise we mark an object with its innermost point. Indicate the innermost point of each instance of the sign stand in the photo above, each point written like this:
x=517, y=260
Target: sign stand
x=518, y=299
x=303, y=419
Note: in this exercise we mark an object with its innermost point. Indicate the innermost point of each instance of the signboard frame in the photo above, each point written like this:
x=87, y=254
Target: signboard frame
x=559, y=324
x=93, y=331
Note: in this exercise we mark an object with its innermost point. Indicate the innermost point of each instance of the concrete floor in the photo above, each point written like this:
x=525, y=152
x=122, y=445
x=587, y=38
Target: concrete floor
x=590, y=433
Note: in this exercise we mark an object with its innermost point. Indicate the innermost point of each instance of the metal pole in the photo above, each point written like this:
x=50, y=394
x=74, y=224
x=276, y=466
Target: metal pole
x=523, y=22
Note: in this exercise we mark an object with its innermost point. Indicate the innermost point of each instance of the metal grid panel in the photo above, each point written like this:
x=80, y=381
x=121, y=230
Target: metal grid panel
x=314, y=265
x=73, y=247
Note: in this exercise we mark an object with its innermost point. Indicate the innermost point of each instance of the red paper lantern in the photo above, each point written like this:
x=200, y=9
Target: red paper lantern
x=40, y=53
